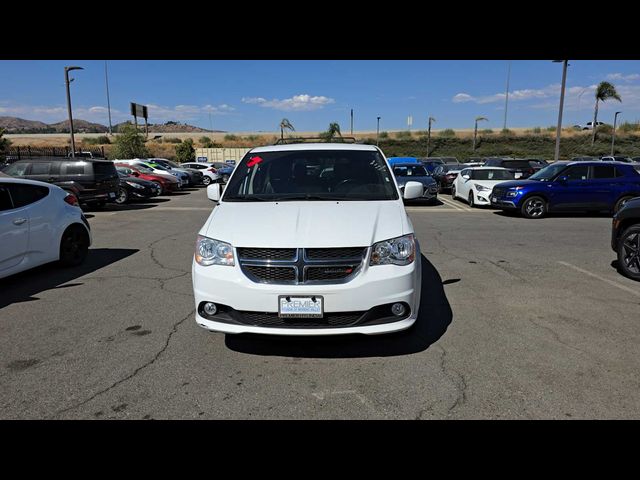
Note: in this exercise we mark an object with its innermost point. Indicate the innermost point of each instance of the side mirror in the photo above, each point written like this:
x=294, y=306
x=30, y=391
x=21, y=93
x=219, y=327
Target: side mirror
x=563, y=179
x=412, y=190
x=213, y=192
x=466, y=177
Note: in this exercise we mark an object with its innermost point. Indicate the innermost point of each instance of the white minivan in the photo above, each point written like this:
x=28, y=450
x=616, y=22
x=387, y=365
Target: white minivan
x=308, y=239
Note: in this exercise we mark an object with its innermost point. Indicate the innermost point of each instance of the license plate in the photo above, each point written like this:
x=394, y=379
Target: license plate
x=112, y=195
x=290, y=306
x=518, y=175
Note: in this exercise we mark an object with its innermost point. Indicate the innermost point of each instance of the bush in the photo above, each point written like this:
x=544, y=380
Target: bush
x=185, y=151
x=537, y=130
x=551, y=128
x=384, y=134
x=607, y=129
x=487, y=131
x=506, y=131
x=448, y=133
x=403, y=135
x=252, y=138
x=628, y=127
x=101, y=140
x=230, y=138
x=173, y=140
x=129, y=144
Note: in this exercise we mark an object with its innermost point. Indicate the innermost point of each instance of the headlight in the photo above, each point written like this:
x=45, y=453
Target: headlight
x=396, y=251
x=213, y=252
x=480, y=188
x=134, y=185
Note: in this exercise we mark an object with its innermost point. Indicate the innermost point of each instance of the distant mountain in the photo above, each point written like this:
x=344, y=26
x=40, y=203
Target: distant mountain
x=169, y=127
x=20, y=125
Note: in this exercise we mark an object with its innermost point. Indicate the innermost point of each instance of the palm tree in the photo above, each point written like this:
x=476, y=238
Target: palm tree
x=332, y=131
x=431, y=120
x=285, y=124
x=604, y=92
x=475, y=131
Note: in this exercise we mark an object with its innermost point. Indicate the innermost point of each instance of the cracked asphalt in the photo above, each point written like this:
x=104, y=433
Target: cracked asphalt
x=519, y=319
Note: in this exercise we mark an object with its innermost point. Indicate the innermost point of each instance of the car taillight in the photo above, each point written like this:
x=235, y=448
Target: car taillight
x=212, y=170
x=71, y=199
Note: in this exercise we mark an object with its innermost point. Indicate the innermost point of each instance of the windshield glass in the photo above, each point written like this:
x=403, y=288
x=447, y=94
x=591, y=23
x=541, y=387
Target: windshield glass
x=311, y=175
x=547, y=173
x=410, y=171
x=492, y=175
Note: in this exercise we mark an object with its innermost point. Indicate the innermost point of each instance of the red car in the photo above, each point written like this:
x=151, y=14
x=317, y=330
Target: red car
x=167, y=183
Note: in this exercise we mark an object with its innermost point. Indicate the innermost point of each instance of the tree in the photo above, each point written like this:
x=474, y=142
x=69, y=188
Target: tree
x=475, y=131
x=206, y=142
x=185, y=151
x=4, y=142
x=331, y=132
x=285, y=124
x=604, y=92
x=129, y=143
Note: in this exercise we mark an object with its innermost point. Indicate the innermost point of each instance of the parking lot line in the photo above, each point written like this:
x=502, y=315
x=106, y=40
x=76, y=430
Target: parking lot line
x=610, y=282
x=452, y=203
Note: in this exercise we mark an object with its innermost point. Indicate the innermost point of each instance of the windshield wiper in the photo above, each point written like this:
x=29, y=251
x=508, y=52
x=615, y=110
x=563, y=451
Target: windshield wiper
x=245, y=198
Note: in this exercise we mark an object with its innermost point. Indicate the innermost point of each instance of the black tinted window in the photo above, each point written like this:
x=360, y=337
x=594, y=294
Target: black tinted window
x=26, y=194
x=75, y=168
x=577, y=173
x=5, y=199
x=516, y=164
x=605, y=171
x=40, y=168
x=104, y=169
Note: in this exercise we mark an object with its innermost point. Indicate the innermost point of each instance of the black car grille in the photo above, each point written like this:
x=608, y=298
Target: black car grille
x=299, y=266
x=335, y=253
x=267, y=253
x=271, y=274
x=498, y=192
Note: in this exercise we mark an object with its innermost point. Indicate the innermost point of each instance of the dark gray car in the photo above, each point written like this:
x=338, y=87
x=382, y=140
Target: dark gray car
x=416, y=172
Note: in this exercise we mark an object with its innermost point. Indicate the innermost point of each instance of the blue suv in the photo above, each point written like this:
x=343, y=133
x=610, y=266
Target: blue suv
x=570, y=187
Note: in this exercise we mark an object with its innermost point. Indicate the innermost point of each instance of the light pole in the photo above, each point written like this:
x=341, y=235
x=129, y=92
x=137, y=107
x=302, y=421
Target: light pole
x=431, y=119
x=506, y=99
x=613, y=137
x=352, y=122
x=475, y=131
x=66, y=79
x=559, y=127
x=106, y=81
x=378, y=131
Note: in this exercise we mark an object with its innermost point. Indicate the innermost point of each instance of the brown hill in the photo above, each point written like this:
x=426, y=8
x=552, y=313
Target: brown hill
x=15, y=123
x=79, y=126
x=169, y=127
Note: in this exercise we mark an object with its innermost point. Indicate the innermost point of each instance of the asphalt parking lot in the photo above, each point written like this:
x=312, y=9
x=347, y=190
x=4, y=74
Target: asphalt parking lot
x=519, y=319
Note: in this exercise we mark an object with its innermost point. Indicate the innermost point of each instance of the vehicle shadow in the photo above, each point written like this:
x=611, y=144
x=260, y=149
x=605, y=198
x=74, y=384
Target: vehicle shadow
x=112, y=207
x=516, y=214
x=433, y=320
x=423, y=202
x=22, y=287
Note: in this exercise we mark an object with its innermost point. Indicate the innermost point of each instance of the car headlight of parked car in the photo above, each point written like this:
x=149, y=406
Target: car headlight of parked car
x=396, y=251
x=135, y=185
x=213, y=252
x=514, y=192
x=481, y=188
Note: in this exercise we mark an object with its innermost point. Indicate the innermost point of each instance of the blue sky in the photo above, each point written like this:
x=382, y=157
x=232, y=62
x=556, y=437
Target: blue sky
x=255, y=95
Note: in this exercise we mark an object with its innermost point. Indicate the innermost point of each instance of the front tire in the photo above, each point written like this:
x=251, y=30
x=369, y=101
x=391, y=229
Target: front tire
x=206, y=181
x=471, y=202
x=534, y=207
x=225, y=178
x=122, y=197
x=453, y=192
x=629, y=252
x=159, y=185
x=73, y=246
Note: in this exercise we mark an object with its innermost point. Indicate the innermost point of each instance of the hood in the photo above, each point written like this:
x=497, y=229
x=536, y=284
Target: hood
x=144, y=183
x=519, y=183
x=423, y=180
x=306, y=223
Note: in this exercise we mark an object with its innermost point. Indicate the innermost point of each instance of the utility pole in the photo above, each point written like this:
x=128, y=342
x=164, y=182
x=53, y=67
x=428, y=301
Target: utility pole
x=378, y=131
x=506, y=101
x=613, y=137
x=66, y=81
x=559, y=127
x=431, y=119
x=106, y=79
x=352, y=122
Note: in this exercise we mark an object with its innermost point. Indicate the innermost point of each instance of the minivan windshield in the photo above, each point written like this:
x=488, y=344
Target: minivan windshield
x=311, y=175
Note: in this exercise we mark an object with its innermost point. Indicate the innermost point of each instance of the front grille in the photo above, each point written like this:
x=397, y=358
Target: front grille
x=335, y=253
x=299, y=266
x=266, y=253
x=498, y=192
x=271, y=274
x=315, y=274
x=266, y=319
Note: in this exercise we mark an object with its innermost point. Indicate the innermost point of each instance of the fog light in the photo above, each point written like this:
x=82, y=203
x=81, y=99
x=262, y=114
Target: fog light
x=210, y=308
x=398, y=309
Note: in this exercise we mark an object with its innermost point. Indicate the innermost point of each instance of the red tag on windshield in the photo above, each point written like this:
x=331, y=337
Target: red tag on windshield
x=254, y=161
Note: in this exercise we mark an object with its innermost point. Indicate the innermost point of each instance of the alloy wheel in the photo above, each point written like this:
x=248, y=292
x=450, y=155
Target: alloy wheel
x=631, y=252
x=534, y=207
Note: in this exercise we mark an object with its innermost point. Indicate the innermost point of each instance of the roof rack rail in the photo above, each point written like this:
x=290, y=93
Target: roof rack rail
x=284, y=141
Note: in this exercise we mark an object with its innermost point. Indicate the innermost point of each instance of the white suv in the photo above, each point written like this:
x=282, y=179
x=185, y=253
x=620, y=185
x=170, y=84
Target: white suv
x=308, y=239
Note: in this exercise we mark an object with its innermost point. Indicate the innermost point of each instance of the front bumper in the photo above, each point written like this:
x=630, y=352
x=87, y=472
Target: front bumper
x=372, y=287
x=503, y=203
x=483, y=198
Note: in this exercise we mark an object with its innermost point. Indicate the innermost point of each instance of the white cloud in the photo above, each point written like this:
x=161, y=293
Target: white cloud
x=623, y=78
x=515, y=95
x=462, y=97
x=302, y=102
